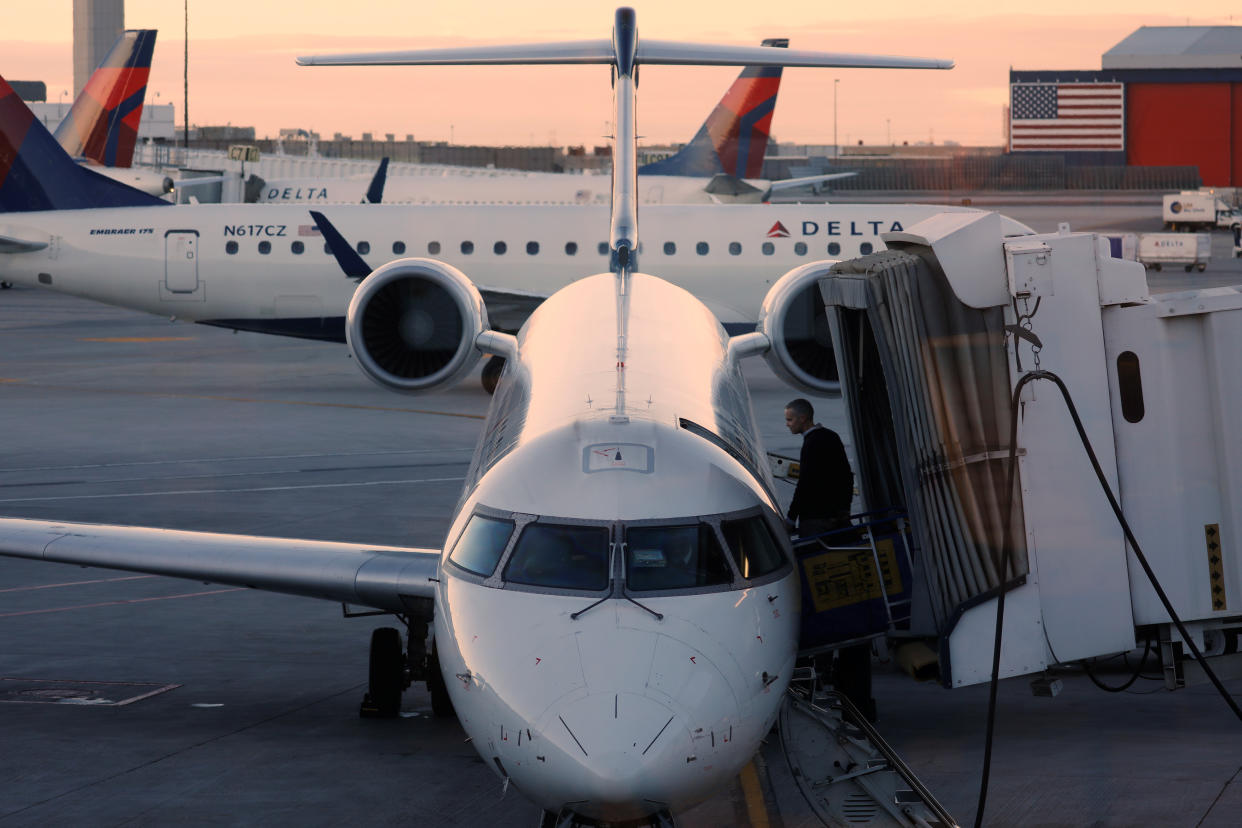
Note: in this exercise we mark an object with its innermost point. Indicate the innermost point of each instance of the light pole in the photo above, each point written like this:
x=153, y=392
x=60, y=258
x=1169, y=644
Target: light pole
x=836, y=149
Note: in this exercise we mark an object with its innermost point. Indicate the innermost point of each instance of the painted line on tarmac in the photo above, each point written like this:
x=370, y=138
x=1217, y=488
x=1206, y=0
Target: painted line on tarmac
x=241, y=459
x=756, y=810
x=258, y=400
x=136, y=339
x=77, y=583
x=235, y=491
x=122, y=602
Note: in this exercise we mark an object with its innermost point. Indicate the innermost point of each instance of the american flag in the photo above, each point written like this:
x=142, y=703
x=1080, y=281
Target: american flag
x=1067, y=116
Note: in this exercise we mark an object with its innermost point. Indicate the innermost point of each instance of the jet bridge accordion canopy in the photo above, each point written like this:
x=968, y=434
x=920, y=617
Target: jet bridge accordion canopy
x=926, y=383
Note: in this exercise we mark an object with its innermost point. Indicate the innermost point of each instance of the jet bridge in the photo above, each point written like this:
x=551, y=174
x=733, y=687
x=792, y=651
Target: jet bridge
x=932, y=336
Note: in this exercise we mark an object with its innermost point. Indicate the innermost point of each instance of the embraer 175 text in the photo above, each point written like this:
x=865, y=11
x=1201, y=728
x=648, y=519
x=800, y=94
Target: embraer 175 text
x=615, y=609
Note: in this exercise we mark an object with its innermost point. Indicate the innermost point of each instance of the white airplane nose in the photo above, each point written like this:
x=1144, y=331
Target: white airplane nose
x=628, y=745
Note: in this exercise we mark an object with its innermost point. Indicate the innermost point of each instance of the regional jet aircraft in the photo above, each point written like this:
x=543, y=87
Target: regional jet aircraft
x=614, y=612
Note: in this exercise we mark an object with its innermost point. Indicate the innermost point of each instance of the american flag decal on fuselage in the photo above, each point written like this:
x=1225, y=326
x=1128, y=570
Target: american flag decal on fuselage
x=1067, y=116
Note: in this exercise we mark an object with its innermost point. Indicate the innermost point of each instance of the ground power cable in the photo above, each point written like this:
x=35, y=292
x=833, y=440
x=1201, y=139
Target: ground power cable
x=1006, y=552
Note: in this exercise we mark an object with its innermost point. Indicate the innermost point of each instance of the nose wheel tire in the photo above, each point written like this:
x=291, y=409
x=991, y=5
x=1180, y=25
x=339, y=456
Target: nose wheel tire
x=387, y=675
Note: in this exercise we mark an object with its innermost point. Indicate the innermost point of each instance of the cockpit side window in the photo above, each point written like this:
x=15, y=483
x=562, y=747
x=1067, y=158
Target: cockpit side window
x=755, y=551
x=561, y=557
x=674, y=557
x=481, y=544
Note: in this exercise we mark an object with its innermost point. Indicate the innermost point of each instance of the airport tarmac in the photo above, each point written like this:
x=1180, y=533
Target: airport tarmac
x=137, y=700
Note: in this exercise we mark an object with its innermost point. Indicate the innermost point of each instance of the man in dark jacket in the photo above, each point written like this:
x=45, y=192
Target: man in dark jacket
x=821, y=501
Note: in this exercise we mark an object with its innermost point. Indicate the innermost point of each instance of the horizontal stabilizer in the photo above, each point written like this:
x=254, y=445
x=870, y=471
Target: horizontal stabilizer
x=354, y=573
x=669, y=52
x=808, y=180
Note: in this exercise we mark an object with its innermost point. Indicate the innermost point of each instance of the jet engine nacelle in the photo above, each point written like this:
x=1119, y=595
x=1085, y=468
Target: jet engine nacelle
x=413, y=323
x=799, y=341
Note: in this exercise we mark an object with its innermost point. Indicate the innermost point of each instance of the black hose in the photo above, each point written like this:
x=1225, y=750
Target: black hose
x=1138, y=671
x=1002, y=568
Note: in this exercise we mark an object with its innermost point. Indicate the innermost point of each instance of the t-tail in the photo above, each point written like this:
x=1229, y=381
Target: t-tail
x=102, y=124
x=734, y=138
x=37, y=174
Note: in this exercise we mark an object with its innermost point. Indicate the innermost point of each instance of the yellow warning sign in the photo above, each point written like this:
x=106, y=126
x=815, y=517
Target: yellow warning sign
x=839, y=578
x=1216, y=568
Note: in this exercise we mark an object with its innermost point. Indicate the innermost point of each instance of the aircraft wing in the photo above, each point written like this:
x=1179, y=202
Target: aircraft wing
x=385, y=577
x=507, y=309
x=806, y=181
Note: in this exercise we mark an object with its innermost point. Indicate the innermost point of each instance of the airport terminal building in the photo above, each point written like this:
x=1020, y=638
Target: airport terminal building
x=1165, y=96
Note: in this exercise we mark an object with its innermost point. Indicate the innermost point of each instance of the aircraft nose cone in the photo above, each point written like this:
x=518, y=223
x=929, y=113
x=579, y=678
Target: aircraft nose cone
x=627, y=744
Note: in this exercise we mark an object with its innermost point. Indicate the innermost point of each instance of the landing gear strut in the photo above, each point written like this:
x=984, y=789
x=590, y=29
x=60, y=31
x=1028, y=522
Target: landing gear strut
x=393, y=669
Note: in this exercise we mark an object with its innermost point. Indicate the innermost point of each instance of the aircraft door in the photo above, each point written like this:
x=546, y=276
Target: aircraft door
x=181, y=261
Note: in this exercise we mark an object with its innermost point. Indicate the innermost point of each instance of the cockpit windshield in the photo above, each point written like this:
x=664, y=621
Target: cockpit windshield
x=755, y=551
x=674, y=557
x=560, y=556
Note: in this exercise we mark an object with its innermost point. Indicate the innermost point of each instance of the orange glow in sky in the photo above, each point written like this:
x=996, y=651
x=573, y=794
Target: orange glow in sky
x=242, y=71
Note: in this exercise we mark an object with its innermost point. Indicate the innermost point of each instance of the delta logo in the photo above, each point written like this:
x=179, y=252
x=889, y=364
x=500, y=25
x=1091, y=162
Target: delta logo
x=778, y=231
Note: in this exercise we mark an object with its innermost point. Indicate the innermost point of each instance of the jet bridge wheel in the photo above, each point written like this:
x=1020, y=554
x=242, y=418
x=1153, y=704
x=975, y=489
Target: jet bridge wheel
x=387, y=675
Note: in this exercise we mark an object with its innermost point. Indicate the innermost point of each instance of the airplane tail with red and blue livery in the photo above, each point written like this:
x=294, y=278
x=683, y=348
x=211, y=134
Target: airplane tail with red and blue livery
x=734, y=138
x=102, y=124
x=37, y=174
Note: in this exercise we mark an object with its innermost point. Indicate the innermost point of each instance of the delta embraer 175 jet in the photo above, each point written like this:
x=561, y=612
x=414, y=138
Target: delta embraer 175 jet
x=614, y=614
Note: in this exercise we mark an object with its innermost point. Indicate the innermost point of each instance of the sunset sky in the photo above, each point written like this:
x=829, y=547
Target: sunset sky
x=242, y=69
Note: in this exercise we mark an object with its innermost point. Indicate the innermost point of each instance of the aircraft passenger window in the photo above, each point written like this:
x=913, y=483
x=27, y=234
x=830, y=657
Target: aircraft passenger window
x=433, y=248
x=564, y=557
x=481, y=544
x=800, y=248
x=571, y=248
x=265, y=247
x=768, y=248
x=603, y=248
x=735, y=248
x=833, y=248
x=467, y=247
x=230, y=247
x=297, y=247
x=864, y=248
x=701, y=248
x=670, y=248
x=398, y=248
x=755, y=551
x=674, y=557
x=532, y=248
x=364, y=247
x=499, y=248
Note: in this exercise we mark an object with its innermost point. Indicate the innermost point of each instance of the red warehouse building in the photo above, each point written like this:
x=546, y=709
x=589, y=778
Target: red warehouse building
x=1166, y=96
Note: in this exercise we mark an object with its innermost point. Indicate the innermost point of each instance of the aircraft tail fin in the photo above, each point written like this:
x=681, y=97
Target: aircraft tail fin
x=102, y=124
x=734, y=138
x=37, y=174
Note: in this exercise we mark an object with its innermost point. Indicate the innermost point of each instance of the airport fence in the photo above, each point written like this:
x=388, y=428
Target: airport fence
x=1007, y=172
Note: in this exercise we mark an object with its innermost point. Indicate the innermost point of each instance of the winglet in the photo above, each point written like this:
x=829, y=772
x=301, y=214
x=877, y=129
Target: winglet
x=375, y=193
x=354, y=265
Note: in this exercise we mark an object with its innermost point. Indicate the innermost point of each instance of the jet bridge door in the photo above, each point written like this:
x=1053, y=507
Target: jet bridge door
x=181, y=262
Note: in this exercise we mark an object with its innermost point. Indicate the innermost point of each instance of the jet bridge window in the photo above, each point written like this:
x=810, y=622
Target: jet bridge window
x=481, y=544
x=755, y=551
x=560, y=556
x=1130, y=384
x=674, y=557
